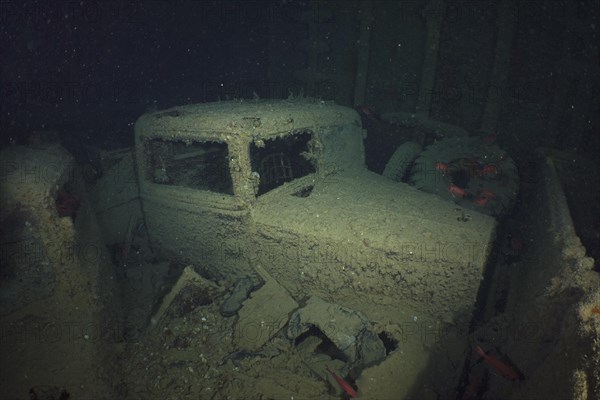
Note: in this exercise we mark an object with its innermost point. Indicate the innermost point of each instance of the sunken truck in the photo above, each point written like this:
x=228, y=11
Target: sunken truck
x=282, y=185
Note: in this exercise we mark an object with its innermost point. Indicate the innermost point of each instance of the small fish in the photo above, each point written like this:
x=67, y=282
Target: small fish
x=481, y=200
x=505, y=370
x=368, y=112
x=343, y=384
x=489, y=169
x=483, y=197
x=457, y=190
x=441, y=167
x=487, y=193
x=596, y=310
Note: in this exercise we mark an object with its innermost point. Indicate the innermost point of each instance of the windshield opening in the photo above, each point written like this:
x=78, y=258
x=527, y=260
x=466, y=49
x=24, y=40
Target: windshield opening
x=282, y=159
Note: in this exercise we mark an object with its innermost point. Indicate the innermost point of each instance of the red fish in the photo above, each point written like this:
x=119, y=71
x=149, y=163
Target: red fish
x=484, y=196
x=489, y=169
x=457, y=190
x=481, y=200
x=343, y=384
x=505, y=370
x=368, y=112
x=441, y=167
x=487, y=193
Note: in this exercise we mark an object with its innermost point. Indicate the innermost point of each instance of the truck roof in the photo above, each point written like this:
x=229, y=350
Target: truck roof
x=256, y=118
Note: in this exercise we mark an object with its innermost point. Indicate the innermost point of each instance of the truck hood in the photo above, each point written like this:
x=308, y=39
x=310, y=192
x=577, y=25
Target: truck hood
x=368, y=210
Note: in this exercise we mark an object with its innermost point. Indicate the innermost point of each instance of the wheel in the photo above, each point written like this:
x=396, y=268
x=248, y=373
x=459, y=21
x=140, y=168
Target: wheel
x=401, y=161
x=469, y=172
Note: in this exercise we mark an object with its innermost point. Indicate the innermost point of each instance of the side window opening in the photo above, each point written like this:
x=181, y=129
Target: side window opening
x=282, y=159
x=193, y=164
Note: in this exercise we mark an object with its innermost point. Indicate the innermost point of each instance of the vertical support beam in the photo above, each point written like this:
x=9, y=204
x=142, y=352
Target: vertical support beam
x=362, y=57
x=496, y=88
x=434, y=14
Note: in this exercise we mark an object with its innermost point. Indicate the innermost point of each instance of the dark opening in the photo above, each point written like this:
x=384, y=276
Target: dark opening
x=196, y=165
x=66, y=202
x=281, y=160
x=389, y=342
x=460, y=178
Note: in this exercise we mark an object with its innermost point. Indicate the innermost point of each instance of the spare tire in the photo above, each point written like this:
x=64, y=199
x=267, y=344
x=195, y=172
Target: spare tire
x=469, y=172
x=401, y=161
